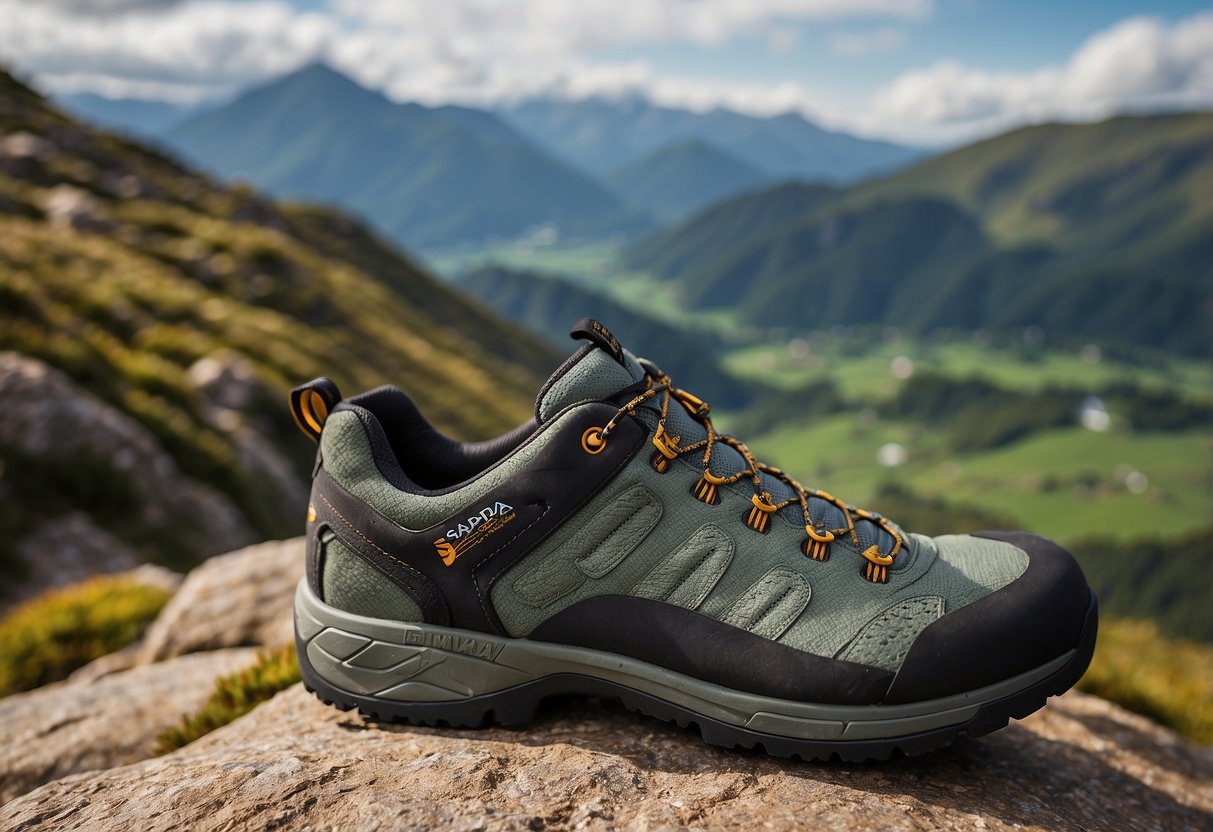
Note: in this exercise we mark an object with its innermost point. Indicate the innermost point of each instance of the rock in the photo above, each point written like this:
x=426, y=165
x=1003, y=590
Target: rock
x=67, y=206
x=71, y=433
x=149, y=574
x=66, y=550
x=296, y=764
x=72, y=548
x=241, y=598
x=70, y=727
x=25, y=145
x=226, y=379
x=228, y=383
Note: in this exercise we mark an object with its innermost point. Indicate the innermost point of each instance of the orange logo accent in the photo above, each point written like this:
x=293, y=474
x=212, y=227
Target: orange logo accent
x=446, y=551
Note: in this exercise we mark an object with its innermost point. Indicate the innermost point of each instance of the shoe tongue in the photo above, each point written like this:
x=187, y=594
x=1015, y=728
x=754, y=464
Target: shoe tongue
x=597, y=371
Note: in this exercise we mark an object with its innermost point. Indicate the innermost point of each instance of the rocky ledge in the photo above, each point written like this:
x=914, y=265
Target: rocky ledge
x=294, y=763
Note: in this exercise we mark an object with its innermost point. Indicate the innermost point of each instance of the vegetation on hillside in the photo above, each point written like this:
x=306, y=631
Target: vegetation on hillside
x=124, y=269
x=234, y=696
x=1156, y=577
x=43, y=640
x=1168, y=680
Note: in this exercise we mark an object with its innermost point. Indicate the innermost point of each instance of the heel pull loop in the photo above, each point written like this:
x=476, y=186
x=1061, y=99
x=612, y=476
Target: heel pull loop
x=311, y=404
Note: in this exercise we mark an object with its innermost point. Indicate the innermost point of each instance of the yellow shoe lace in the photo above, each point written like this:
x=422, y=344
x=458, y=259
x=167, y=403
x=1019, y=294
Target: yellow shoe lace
x=818, y=539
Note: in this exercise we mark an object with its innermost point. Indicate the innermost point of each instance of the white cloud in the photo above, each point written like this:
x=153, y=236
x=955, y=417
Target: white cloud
x=873, y=42
x=482, y=51
x=1140, y=63
x=464, y=50
x=783, y=41
x=180, y=52
x=586, y=25
x=106, y=7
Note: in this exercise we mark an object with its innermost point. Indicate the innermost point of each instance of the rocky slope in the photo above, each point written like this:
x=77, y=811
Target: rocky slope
x=293, y=763
x=151, y=322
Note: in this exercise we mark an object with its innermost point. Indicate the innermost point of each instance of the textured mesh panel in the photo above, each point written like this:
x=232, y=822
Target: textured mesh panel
x=770, y=606
x=594, y=550
x=595, y=377
x=631, y=517
x=885, y=640
x=688, y=574
x=992, y=564
x=349, y=583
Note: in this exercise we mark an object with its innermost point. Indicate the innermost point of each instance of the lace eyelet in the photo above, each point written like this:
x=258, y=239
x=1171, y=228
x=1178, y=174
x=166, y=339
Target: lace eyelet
x=593, y=441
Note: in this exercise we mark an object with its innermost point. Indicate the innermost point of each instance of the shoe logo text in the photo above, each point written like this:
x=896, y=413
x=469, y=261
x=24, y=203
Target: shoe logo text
x=449, y=641
x=471, y=531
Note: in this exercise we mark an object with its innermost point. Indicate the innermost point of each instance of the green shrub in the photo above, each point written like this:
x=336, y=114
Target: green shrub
x=1168, y=680
x=46, y=638
x=234, y=696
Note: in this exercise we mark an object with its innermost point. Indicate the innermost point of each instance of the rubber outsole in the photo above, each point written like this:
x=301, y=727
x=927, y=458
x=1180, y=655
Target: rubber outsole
x=517, y=706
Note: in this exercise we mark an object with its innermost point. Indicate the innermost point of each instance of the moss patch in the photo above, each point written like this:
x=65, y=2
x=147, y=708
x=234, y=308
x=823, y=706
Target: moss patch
x=1168, y=680
x=46, y=638
x=234, y=696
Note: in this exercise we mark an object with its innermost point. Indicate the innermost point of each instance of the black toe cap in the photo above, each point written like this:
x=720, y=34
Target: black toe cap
x=1035, y=618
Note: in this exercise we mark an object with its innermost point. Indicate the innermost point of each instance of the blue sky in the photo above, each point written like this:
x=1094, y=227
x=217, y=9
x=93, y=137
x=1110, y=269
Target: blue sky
x=924, y=71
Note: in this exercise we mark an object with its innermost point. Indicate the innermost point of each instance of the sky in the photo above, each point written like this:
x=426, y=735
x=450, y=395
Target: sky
x=928, y=72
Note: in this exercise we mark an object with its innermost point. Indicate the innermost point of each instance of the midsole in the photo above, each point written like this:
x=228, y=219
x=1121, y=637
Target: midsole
x=421, y=663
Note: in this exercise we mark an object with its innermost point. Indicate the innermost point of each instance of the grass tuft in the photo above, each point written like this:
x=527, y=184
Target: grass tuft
x=1167, y=680
x=46, y=638
x=234, y=696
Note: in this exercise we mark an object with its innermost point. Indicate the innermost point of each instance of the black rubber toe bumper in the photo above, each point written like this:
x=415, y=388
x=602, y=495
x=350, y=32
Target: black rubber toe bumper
x=1034, y=619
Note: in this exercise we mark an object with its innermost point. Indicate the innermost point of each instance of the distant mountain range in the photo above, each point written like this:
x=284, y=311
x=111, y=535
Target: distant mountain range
x=437, y=178
x=602, y=134
x=130, y=116
x=675, y=181
x=1101, y=231
x=429, y=177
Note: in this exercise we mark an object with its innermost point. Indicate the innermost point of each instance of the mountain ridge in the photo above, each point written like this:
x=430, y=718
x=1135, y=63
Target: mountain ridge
x=601, y=134
x=1095, y=231
x=678, y=179
x=429, y=177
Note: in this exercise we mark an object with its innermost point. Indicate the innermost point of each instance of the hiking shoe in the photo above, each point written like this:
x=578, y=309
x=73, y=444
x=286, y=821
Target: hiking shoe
x=617, y=545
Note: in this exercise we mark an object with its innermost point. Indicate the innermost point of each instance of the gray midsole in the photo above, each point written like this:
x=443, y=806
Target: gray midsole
x=421, y=663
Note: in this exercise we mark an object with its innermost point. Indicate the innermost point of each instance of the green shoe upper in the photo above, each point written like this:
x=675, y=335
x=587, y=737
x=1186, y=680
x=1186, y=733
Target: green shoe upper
x=754, y=552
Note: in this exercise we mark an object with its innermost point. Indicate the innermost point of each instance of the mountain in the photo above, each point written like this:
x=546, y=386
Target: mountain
x=131, y=116
x=151, y=323
x=717, y=231
x=1126, y=190
x=546, y=305
x=861, y=266
x=675, y=181
x=1095, y=231
x=428, y=177
x=602, y=134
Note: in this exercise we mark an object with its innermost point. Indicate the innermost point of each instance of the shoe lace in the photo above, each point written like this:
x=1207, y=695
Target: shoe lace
x=818, y=538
